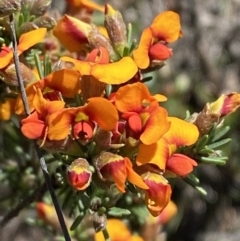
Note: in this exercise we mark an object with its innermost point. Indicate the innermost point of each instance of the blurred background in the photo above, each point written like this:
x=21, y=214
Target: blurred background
x=205, y=64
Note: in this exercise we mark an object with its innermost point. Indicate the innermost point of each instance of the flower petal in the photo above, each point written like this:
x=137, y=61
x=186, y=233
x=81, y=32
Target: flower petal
x=83, y=67
x=166, y=26
x=65, y=81
x=72, y=33
x=27, y=40
x=157, y=153
x=5, y=60
x=156, y=125
x=103, y=112
x=129, y=98
x=180, y=164
x=158, y=195
x=59, y=123
x=140, y=55
x=115, y=73
x=32, y=127
x=181, y=132
x=133, y=177
x=7, y=108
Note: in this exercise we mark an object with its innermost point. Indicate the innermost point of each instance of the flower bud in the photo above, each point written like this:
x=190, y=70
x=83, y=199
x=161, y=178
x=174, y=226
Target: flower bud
x=116, y=28
x=39, y=7
x=8, y=7
x=45, y=22
x=99, y=221
x=158, y=195
x=10, y=76
x=79, y=174
x=159, y=52
x=27, y=27
x=97, y=40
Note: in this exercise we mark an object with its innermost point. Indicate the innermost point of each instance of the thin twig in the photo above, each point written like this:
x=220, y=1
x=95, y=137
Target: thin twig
x=40, y=157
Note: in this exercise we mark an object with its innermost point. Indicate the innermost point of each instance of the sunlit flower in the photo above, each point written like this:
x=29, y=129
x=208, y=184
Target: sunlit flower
x=164, y=29
x=26, y=41
x=162, y=153
x=79, y=174
x=118, y=169
x=36, y=125
x=158, y=195
x=118, y=231
x=82, y=120
x=147, y=123
x=64, y=81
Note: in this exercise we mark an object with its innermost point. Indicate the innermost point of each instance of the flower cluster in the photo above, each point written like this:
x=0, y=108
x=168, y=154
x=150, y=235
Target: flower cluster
x=97, y=109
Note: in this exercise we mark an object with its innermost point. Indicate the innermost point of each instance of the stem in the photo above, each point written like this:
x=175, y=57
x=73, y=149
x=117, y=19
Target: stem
x=106, y=235
x=40, y=157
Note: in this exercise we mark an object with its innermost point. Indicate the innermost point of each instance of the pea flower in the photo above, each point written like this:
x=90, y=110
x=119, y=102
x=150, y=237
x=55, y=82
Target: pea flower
x=164, y=29
x=82, y=119
x=147, y=123
x=162, y=153
x=65, y=81
x=36, y=125
x=118, y=169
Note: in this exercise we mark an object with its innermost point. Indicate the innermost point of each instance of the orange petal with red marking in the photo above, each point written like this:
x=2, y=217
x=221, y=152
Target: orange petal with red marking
x=72, y=33
x=166, y=26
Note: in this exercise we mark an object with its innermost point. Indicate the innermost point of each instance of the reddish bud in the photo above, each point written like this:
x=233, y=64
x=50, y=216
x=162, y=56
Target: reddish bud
x=159, y=52
x=79, y=174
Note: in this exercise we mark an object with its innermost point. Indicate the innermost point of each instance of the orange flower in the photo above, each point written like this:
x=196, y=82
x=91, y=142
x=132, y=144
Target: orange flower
x=147, y=123
x=158, y=195
x=118, y=169
x=26, y=41
x=164, y=29
x=65, y=81
x=118, y=231
x=162, y=153
x=36, y=125
x=7, y=108
x=82, y=119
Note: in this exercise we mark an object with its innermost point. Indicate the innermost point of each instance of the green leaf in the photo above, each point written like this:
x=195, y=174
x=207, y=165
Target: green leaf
x=214, y=160
x=221, y=133
x=77, y=221
x=219, y=144
x=202, y=142
x=118, y=212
